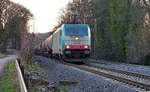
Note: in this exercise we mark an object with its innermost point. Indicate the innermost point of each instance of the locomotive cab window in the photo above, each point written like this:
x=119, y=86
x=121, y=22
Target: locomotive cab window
x=76, y=31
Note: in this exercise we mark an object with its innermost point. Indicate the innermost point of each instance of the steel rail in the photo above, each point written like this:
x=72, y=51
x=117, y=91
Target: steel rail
x=110, y=76
x=139, y=75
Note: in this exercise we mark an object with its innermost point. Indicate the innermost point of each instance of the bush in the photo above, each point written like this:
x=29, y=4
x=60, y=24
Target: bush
x=146, y=60
x=26, y=56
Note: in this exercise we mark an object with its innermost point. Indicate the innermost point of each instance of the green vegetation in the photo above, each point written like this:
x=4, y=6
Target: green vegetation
x=146, y=60
x=122, y=30
x=8, y=80
x=68, y=82
x=61, y=89
x=34, y=67
x=119, y=26
x=2, y=56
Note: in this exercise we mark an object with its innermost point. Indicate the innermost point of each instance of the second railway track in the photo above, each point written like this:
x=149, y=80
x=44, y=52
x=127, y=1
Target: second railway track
x=139, y=75
x=136, y=84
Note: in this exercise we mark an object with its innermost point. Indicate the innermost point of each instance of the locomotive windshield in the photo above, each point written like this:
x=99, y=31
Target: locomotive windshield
x=76, y=31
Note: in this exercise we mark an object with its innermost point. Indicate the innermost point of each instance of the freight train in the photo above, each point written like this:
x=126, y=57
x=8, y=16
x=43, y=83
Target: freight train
x=71, y=42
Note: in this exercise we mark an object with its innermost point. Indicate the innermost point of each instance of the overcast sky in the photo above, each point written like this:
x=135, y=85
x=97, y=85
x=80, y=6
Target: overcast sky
x=45, y=12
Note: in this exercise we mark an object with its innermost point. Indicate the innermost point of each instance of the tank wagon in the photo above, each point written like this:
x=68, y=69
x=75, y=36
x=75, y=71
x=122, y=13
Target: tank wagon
x=71, y=42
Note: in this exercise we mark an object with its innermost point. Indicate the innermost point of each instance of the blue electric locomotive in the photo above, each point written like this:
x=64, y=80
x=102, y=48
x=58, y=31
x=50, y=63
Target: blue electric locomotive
x=72, y=42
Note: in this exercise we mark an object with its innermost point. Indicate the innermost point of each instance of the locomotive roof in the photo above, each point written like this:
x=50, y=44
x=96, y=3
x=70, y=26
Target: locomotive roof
x=75, y=24
x=69, y=25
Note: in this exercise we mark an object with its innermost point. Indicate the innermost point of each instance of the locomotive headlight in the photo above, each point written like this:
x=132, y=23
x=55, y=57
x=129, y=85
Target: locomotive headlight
x=67, y=46
x=76, y=38
x=86, y=46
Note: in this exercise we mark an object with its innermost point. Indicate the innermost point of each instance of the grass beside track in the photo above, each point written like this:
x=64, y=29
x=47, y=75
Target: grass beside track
x=8, y=79
x=29, y=68
x=2, y=56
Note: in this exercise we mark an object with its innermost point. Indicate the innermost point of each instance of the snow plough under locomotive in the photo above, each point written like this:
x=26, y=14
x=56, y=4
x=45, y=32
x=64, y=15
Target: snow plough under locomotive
x=71, y=42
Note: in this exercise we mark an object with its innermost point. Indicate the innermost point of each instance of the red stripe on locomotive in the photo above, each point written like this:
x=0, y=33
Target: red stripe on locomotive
x=77, y=47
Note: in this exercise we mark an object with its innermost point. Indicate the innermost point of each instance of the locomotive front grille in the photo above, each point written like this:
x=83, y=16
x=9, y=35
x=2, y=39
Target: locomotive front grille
x=77, y=53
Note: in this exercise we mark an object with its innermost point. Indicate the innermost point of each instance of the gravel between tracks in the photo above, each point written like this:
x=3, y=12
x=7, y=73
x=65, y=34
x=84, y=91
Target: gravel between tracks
x=88, y=82
x=122, y=66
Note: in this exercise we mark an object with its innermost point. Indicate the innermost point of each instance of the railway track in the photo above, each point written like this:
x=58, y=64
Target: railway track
x=98, y=71
x=139, y=75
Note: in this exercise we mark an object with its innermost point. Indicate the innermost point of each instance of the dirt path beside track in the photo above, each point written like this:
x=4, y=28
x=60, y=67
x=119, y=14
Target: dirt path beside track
x=4, y=61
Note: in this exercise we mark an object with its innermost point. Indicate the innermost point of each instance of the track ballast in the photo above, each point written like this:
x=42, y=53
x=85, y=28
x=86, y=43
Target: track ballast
x=98, y=71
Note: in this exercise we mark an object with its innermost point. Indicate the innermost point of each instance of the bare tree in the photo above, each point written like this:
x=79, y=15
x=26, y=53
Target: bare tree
x=77, y=11
x=11, y=16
